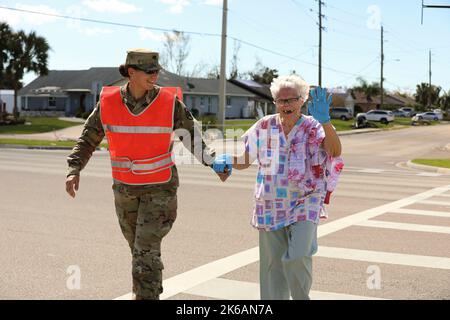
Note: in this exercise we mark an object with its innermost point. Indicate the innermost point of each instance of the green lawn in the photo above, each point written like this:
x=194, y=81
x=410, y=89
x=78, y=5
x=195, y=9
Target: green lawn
x=443, y=163
x=38, y=125
x=42, y=143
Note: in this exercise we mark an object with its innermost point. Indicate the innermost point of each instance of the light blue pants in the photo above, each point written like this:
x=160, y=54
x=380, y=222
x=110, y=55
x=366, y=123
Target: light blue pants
x=285, y=259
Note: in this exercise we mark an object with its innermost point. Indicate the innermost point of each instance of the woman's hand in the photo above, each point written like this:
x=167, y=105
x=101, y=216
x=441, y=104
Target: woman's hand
x=319, y=106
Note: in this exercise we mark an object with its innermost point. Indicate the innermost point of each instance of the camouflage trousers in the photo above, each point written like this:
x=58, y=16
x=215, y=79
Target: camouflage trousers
x=145, y=216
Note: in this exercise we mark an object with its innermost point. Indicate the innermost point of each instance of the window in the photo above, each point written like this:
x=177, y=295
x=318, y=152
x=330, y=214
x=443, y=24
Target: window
x=52, y=102
x=228, y=101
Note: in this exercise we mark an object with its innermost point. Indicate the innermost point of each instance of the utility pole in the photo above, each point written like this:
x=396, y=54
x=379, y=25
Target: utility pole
x=382, y=64
x=320, y=43
x=223, y=75
x=429, y=79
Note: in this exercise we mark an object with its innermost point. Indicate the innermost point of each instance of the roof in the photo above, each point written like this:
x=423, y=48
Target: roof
x=81, y=80
x=257, y=88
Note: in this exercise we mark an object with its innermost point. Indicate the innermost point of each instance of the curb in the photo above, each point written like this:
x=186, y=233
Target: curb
x=427, y=168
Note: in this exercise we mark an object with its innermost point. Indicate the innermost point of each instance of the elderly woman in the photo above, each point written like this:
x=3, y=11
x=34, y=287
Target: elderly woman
x=298, y=165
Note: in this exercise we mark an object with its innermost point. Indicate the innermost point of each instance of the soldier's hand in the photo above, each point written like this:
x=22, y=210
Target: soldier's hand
x=72, y=184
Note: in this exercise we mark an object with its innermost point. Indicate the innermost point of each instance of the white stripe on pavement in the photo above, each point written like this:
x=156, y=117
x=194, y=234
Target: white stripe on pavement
x=353, y=219
x=444, y=195
x=403, y=226
x=437, y=203
x=430, y=213
x=371, y=171
x=226, y=289
x=409, y=260
x=429, y=174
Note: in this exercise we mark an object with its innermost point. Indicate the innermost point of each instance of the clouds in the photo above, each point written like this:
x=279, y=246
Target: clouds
x=146, y=34
x=112, y=6
x=16, y=18
x=212, y=2
x=176, y=6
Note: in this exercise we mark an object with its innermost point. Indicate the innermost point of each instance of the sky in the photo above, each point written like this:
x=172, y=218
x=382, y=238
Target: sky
x=281, y=34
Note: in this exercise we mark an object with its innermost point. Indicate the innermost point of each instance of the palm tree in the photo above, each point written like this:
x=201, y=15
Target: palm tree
x=24, y=53
x=427, y=96
x=369, y=90
x=444, y=101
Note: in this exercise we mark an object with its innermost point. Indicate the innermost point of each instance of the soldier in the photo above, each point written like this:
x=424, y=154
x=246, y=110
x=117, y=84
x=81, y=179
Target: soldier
x=138, y=120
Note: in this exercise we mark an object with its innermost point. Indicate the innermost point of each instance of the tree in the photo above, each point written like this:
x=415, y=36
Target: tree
x=369, y=90
x=263, y=74
x=234, y=61
x=24, y=53
x=444, y=101
x=213, y=72
x=5, y=33
x=175, y=52
x=426, y=95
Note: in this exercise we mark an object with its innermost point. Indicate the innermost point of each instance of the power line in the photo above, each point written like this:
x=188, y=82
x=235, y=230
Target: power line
x=109, y=22
x=293, y=58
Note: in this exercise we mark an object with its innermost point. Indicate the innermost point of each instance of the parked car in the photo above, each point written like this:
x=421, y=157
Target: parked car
x=409, y=111
x=430, y=116
x=341, y=113
x=383, y=116
x=400, y=113
x=419, y=121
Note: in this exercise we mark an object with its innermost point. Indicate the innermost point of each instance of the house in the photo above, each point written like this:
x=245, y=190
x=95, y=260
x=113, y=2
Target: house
x=65, y=92
x=6, y=101
x=201, y=95
x=263, y=100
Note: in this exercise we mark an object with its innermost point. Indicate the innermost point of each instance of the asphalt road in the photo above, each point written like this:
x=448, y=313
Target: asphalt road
x=388, y=235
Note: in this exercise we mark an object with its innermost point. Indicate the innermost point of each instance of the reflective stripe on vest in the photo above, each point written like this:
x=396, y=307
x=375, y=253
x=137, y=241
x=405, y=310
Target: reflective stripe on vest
x=139, y=145
x=143, y=166
x=136, y=129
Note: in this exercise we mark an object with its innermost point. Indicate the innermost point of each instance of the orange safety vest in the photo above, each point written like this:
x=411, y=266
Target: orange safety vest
x=139, y=145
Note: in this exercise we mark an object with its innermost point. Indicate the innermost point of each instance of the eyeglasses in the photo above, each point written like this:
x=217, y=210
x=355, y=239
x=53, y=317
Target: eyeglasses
x=287, y=101
x=151, y=72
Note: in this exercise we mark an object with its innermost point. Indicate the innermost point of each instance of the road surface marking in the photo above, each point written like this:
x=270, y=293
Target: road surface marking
x=430, y=213
x=409, y=260
x=403, y=226
x=437, y=203
x=226, y=289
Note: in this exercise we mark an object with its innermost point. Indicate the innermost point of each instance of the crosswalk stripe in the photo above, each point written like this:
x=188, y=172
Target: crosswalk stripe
x=226, y=289
x=437, y=203
x=445, y=195
x=429, y=174
x=348, y=221
x=384, y=257
x=422, y=212
x=403, y=226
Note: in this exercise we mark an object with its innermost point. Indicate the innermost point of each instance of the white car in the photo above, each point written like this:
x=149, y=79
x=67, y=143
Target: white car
x=409, y=111
x=430, y=116
x=383, y=116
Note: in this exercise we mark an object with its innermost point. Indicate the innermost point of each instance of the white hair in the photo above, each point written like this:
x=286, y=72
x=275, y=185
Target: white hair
x=294, y=82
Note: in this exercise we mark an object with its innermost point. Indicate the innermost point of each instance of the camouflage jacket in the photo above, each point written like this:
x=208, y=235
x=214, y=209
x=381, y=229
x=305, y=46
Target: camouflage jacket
x=93, y=134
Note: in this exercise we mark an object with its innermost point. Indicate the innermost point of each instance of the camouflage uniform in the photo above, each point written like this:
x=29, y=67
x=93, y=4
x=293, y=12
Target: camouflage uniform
x=145, y=212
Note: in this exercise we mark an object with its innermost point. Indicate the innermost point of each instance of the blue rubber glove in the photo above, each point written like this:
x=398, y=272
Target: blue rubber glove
x=221, y=162
x=319, y=106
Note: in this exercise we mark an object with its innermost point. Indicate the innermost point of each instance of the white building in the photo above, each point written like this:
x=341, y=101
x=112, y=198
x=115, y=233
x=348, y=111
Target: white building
x=7, y=97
